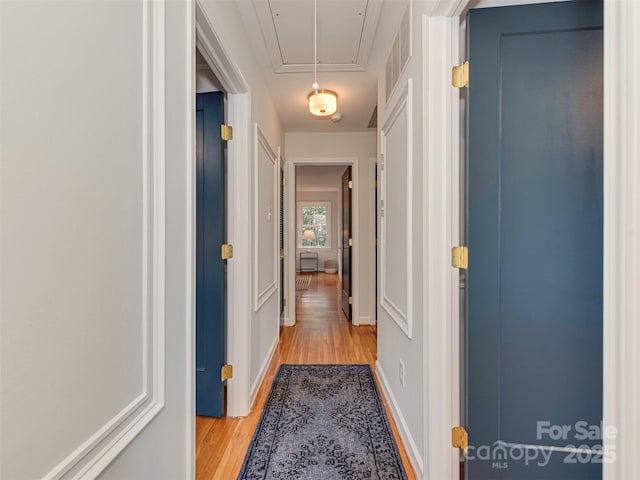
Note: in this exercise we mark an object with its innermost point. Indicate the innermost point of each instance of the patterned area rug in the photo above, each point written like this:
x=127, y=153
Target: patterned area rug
x=323, y=422
x=303, y=282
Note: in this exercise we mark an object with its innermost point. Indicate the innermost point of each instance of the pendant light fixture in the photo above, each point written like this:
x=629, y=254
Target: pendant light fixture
x=322, y=103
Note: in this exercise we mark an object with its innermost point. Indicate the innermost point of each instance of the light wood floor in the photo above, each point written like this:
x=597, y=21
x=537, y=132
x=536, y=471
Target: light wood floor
x=321, y=335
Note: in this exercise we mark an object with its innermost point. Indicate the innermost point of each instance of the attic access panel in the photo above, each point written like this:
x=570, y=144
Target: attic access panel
x=346, y=30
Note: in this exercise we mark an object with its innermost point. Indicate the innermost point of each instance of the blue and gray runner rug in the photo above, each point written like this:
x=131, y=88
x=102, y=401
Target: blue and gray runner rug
x=323, y=422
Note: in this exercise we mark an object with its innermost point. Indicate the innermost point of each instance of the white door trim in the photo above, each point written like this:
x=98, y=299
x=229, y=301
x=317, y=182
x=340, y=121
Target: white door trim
x=373, y=162
x=238, y=216
x=622, y=235
x=441, y=231
x=290, y=265
x=442, y=49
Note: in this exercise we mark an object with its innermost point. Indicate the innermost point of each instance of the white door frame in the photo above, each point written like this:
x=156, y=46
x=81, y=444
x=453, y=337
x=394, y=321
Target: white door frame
x=290, y=314
x=441, y=49
x=238, y=215
x=622, y=234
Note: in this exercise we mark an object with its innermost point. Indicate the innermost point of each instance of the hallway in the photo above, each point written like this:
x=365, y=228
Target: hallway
x=321, y=335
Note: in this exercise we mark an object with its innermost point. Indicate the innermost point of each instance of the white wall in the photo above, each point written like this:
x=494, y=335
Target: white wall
x=263, y=316
x=402, y=119
x=363, y=146
x=87, y=331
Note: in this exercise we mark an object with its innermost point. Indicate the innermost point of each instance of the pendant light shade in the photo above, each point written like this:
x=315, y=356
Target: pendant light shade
x=323, y=103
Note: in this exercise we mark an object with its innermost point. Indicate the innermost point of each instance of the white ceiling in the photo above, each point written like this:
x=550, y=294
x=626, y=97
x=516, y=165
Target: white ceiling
x=354, y=37
x=345, y=33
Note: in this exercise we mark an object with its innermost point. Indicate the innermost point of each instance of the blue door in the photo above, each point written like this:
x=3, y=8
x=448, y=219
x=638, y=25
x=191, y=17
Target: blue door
x=210, y=268
x=534, y=324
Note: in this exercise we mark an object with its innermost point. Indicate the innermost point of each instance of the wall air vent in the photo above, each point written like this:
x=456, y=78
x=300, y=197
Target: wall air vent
x=399, y=55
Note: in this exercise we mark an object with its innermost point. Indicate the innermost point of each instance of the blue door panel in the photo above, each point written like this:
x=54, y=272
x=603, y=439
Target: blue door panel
x=551, y=232
x=534, y=344
x=210, y=268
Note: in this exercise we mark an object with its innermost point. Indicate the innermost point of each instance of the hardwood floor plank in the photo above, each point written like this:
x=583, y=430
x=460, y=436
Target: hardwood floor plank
x=322, y=335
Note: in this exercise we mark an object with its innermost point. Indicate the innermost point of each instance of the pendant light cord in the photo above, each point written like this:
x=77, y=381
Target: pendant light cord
x=315, y=46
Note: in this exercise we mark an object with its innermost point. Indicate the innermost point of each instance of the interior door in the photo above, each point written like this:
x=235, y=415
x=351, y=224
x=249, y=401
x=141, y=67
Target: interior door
x=210, y=268
x=346, y=243
x=534, y=336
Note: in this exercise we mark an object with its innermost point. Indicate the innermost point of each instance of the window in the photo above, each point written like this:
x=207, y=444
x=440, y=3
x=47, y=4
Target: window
x=314, y=217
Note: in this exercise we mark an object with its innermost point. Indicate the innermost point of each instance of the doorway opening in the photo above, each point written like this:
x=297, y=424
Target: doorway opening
x=307, y=251
x=323, y=204
x=210, y=235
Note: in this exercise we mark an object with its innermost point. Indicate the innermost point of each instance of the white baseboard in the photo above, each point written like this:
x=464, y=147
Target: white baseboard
x=366, y=321
x=263, y=370
x=288, y=322
x=415, y=456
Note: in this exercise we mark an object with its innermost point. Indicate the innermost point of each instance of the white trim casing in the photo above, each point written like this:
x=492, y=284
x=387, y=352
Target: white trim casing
x=621, y=237
x=239, y=268
x=216, y=55
x=403, y=107
x=290, y=312
x=281, y=277
x=441, y=229
x=264, y=293
x=190, y=249
x=290, y=247
x=373, y=259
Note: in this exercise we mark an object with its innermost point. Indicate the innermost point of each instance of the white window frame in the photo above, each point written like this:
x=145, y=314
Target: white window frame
x=311, y=203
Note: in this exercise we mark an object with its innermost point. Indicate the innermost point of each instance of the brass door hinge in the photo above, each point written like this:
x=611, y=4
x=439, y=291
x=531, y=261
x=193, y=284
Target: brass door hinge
x=350, y=183
x=350, y=300
x=226, y=251
x=351, y=242
x=460, y=438
x=460, y=257
x=284, y=302
x=226, y=132
x=226, y=372
x=460, y=75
